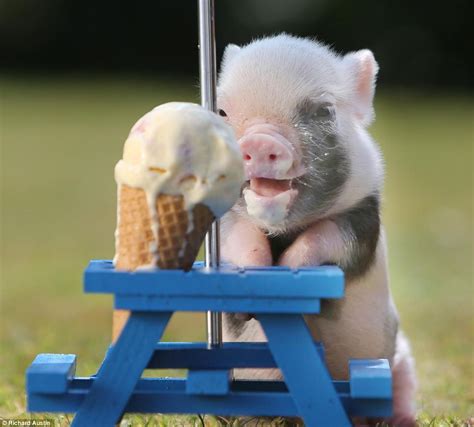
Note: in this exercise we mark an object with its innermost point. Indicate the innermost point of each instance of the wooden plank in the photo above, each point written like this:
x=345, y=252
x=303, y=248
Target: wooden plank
x=370, y=378
x=228, y=304
x=196, y=355
x=305, y=374
x=168, y=396
x=122, y=368
x=227, y=282
x=50, y=373
x=208, y=382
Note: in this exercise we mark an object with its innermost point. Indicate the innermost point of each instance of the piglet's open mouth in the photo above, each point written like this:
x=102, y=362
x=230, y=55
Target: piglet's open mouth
x=268, y=199
x=267, y=187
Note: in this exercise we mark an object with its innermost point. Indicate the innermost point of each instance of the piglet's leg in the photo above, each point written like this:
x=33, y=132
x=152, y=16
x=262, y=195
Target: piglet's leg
x=320, y=244
x=348, y=240
x=243, y=244
x=404, y=385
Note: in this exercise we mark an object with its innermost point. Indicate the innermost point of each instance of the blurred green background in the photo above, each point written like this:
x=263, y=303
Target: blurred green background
x=62, y=139
x=62, y=128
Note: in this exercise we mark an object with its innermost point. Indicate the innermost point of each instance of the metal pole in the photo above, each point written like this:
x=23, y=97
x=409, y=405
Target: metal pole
x=207, y=71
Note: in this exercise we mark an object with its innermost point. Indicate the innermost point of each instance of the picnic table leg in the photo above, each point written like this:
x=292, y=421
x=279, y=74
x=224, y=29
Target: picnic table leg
x=108, y=396
x=305, y=373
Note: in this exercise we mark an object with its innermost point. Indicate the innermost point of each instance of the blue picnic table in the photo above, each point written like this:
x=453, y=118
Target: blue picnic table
x=279, y=297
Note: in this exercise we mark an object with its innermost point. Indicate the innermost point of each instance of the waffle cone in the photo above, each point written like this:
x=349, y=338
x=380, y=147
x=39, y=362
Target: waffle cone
x=178, y=243
x=178, y=248
x=135, y=234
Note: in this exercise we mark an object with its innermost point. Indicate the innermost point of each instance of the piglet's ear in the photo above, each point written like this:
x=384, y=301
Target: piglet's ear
x=362, y=69
x=230, y=52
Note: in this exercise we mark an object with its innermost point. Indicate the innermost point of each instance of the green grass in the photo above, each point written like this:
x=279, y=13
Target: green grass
x=60, y=141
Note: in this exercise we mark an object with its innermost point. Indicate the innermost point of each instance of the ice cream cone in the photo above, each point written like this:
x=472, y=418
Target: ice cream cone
x=181, y=167
x=135, y=234
x=178, y=240
x=180, y=232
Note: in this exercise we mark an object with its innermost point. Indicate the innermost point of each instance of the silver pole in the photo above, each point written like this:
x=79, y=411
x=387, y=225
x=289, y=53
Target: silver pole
x=207, y=71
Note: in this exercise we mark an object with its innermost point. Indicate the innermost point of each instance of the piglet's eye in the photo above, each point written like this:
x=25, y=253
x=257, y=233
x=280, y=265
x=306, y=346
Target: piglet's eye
x=221, y=112
x=325, y=111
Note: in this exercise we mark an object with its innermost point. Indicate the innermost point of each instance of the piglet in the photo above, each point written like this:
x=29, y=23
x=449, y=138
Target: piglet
x=312, y=196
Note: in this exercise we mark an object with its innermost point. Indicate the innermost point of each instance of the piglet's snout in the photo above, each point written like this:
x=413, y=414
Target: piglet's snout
x=267, y=155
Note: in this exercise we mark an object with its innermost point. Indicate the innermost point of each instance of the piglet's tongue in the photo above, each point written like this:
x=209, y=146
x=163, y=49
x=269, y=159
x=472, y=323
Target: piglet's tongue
x=269, y=187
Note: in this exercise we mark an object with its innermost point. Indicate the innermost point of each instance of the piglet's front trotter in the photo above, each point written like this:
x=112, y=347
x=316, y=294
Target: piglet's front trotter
x=181, y=169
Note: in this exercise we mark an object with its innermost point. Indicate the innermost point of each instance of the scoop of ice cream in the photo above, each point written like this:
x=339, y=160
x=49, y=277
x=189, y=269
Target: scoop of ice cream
x=183, y=149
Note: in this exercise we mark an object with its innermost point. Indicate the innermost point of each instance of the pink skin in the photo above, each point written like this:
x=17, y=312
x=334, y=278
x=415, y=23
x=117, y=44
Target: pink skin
x=271, y=161
x=272, y=157
x=321, y=243
x=404, y=386
x=245, y=245
x=267, y=153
